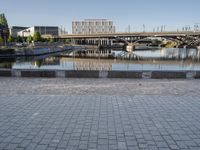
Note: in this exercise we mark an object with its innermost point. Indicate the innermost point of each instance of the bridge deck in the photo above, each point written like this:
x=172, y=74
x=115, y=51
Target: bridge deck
x=188, y=33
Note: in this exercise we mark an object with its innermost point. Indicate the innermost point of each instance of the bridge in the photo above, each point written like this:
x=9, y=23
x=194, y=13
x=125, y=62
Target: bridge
x=131, y=34
x=189, y=38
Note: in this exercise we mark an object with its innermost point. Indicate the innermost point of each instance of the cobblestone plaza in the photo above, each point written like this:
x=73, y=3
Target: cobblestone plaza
x=99, y=114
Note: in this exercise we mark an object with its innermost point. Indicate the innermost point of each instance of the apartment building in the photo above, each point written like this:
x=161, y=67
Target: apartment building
x=93, y=26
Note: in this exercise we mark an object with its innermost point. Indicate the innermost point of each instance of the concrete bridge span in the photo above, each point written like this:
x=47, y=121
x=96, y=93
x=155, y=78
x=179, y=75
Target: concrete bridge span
x=184, y=38
x=132, y=34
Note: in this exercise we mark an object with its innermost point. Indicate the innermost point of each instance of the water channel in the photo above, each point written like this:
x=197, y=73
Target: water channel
x=158, y=59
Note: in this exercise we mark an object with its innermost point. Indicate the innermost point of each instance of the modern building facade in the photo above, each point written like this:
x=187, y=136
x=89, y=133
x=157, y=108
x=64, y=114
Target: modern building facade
x=93, y=26
x=15, y=29
x=43, y=30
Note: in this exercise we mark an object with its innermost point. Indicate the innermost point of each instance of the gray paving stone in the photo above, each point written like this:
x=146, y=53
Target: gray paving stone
x=11, y=146
x=122, y=145
x=99, y=114
x=173, y=147
x=41, y=147
x=194, y=148
x=51, y=148
x=16, y=140
x=25, y=143
x=31, y=146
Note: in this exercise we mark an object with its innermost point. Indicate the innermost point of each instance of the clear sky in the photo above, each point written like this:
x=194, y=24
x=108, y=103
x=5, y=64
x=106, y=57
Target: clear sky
x=151, y=13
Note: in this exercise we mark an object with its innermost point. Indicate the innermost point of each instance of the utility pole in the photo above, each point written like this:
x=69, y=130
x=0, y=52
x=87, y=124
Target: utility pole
x=157, y=29
x=196, y=26
x=129, y=28
x=61, y=29
x=143, y=27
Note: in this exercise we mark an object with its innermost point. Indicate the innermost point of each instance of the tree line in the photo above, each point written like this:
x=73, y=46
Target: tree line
x=6, y=37
x=4, y=31
x=35, y=38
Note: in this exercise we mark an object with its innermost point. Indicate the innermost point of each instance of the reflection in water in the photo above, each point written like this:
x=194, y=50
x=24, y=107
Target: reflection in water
x=6, y=62
x=38, y=63
x=163, y=59
x=47, y=63
x=169, y=53
x=92, y=65
x=106, y=64
x=6, y=65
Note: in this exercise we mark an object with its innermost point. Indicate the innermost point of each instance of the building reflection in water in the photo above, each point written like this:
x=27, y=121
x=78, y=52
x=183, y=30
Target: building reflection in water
x=51, y=61
x=86, y=64
x=7, y=62
x=163, y=59
x=181, y=53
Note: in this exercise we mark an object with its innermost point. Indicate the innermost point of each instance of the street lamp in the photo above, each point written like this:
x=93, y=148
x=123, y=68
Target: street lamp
x=143, y=27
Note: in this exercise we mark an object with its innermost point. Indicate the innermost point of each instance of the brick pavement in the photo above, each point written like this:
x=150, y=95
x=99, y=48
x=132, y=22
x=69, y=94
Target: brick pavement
x=99, y=114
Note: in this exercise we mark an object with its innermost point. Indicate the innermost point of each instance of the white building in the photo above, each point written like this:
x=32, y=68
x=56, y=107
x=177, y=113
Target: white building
x=93, y=26
x=15, y=29
x=43, y=30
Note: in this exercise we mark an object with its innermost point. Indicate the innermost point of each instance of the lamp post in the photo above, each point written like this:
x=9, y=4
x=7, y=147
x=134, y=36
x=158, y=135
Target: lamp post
x=143, y=27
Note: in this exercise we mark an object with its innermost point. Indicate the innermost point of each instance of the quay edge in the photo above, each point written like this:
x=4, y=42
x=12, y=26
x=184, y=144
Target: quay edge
x=99, y=74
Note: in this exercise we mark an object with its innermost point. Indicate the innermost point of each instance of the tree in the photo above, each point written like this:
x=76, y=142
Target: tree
x=4, y=26
x=39, y=63
x=3, y=20
x=19, y=39
x=68, y=41
x=10, y=39
x=51, y=40
x=42, y=39
x=1, y=40
x=36, y=37
x=29, y=39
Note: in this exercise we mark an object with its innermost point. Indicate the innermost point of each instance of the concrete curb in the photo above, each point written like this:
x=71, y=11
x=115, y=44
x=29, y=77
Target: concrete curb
x=168, y=75
x=81, y=74
x=5, y=72
x=38, y=73
x=124, y=74
x=100, y=74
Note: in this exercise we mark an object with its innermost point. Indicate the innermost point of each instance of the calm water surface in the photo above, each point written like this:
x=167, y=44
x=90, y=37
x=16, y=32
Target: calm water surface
x=163, y=59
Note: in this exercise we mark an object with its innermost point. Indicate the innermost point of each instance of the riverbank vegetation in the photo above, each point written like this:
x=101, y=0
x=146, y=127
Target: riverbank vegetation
x=170, y=44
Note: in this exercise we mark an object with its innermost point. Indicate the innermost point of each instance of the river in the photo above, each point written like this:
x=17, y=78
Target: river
x=158, y=59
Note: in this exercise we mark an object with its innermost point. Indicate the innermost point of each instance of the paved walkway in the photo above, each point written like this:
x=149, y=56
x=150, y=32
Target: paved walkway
x=99, y=114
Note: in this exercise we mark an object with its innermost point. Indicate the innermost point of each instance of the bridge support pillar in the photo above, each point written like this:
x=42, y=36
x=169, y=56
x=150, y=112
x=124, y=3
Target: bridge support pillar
x=111, y=42
x=107, y=42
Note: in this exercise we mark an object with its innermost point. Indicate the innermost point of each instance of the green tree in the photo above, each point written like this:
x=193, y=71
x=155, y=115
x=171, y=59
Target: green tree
x=29, y=39
x=10, y=39
x=51, y=40
x=68, y=41
x=1, y=40
x=36, y=37
x=42, y=39
x=39, y=63
x=19, y=39
x=3, y=20
x=4, y=23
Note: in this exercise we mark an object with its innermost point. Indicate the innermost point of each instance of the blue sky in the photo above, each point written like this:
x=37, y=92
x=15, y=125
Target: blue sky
x=152, y=13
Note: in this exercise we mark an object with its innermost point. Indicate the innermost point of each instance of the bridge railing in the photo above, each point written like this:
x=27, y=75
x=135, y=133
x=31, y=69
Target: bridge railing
x=130, y=34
